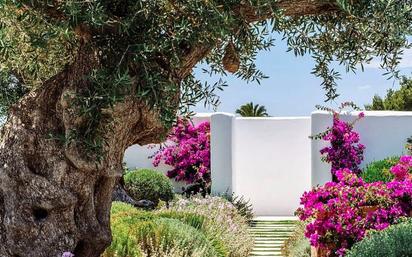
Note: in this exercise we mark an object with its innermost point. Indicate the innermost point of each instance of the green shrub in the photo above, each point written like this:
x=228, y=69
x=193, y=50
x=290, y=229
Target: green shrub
x=122, y=221
x=118, y=207
x=379, y=170
x=217, y=222
x=191, y=219
x=223, y=226
x=199, y=222
x=243, y=206
x=145, y=184
x=297, y=245
x=408, y=145
x=395, y=241
x=139, y=234
x=177, y=235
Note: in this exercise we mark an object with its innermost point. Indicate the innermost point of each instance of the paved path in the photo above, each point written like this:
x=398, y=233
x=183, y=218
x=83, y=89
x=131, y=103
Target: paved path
x=270, y=233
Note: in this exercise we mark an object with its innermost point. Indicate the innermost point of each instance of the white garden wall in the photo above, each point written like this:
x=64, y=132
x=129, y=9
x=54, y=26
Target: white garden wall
x=272, y=161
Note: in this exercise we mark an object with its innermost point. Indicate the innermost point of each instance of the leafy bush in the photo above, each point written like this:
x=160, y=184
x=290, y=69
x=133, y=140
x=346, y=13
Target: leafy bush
x=297, y=245
x=408, y=145
x=199, y=222
x=243, y=206
x=139, y=233
x=194, y=220
x=118, y=207
x=195, y=227
x=176, y=234
x=395, y=241
x=145, y=184
x=379, y=170
x=223, y=225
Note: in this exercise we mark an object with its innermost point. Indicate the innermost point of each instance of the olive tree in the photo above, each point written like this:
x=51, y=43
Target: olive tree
x=81, y=80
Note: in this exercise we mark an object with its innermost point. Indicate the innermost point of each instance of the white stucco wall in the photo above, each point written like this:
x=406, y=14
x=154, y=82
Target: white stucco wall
x=221, y=128
x=271, y=162
x=384, y=134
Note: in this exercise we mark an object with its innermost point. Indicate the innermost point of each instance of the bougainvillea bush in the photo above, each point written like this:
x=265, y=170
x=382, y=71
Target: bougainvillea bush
x=188, y=153
x=344, y=151
x=340, y=213
x=402, y=170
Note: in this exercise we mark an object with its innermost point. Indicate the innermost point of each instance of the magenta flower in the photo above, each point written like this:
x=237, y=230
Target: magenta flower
x=361, y=115
x=189, y=154
x=67, y=254
x=402, y=170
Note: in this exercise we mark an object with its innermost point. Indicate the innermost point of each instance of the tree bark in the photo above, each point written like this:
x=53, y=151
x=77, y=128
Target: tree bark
x=52, y=198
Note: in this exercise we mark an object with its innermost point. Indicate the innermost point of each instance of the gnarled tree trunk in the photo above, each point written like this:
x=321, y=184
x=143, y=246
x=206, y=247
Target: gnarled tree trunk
x=53, y=199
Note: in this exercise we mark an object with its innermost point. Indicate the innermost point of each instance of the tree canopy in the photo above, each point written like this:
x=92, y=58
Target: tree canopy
x=147, y=49
x=252, y=110
x=394, y=100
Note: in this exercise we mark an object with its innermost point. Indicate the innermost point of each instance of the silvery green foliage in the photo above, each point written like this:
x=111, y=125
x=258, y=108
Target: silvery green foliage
x=395, y=241
x=223, y=219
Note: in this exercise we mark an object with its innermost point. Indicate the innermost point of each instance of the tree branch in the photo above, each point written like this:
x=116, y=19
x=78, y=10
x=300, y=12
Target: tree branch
x=293, y=8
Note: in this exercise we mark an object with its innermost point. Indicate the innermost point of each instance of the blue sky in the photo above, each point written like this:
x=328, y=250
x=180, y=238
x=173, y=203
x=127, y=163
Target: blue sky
x=291, y=89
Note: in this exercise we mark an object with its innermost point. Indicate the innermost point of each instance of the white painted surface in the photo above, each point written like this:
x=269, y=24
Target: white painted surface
x=384, y=134
x=221, y=152
x=275, y=218
x=271, y=162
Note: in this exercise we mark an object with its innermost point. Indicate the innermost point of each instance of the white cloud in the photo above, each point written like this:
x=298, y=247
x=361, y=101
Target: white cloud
x=407, y=59
x=364, y=87
x=405, y=63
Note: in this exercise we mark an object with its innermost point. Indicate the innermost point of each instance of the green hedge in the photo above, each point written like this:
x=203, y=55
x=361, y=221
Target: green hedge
x=145, y=184
x=379, y=170
x=395, y=241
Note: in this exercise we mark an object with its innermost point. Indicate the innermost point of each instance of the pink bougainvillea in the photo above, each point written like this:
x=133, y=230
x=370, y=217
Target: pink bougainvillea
x=401, y=171
x=340, y=213
x=345, y=151
x=188, y=153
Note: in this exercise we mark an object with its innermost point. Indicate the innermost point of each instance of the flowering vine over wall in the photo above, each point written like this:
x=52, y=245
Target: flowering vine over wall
x=345, y=151
x=188, y=153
